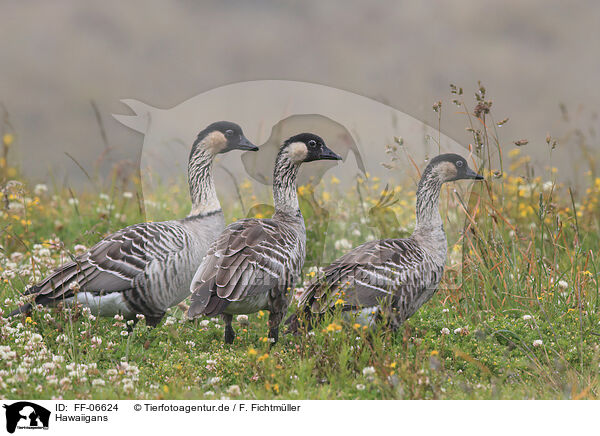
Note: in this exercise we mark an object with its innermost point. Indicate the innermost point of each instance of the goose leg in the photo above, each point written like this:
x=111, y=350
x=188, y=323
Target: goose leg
x=229, y=332
x=154, y=320
x=275, y=318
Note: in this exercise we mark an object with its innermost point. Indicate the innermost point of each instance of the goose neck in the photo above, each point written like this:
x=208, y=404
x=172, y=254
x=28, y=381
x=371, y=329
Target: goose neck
x=427, y=208
x=201, y=183
x=285, y=192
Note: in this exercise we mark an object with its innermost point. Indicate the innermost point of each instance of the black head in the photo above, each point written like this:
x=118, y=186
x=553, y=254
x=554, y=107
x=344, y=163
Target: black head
x=308, y=147
x=450, y=167
x=224, y=136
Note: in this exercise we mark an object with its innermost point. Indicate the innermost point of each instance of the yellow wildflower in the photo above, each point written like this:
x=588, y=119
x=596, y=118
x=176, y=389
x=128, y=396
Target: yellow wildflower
x=8, y=139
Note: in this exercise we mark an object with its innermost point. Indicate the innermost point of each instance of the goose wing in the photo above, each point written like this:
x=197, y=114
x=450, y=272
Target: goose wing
x=248, y=260
x=113, y=263
x=370, y=273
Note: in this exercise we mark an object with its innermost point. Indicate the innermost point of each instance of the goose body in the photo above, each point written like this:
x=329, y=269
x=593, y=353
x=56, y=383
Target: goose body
x=146, y=268
x=390, y=278
x=254, y=262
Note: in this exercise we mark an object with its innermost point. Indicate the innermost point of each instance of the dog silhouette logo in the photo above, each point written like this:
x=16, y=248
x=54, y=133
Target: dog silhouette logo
x=26, y=415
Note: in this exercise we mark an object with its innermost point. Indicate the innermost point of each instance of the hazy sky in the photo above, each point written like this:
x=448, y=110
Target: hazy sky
x=56, y=57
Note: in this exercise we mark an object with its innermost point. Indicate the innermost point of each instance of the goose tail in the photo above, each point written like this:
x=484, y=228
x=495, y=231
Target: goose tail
x=26, y=308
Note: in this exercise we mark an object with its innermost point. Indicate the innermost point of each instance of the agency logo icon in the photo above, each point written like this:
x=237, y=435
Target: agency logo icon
x=26, y=415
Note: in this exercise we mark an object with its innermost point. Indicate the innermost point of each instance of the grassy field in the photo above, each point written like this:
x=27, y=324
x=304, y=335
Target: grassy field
x=516, y=315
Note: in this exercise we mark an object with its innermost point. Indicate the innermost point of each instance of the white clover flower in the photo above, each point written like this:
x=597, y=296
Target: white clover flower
x=537, y=343
x=36, y=338
x=127, y=385
x=214, y=380
x=234, y=390
x=458, y=331
x=44, y=252
x=298, y=292
x=103, y=196
x=445, y=331
x=170, y=321
x=140, y=316
x=342, y=244
x=98, y=382
x=16, y=257
x=563, y=284
x=209, y=393
x=96, y=340
x=527, y=317
x=445, y=310
x=242, y=319
x=204, y=323
x=48, y=366
x=79, y=249
x=369, y=370
x=73, y=202
x=127, y=194
x=111, y=372
x=360, y=387
x=39, y=189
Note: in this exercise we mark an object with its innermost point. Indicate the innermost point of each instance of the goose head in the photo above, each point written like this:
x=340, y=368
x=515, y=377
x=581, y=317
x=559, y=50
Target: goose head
x=307, y=147
x=221, y=137
x=450, y=167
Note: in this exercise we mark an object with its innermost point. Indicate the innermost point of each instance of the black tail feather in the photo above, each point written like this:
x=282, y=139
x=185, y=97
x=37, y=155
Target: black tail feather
x=26, y=308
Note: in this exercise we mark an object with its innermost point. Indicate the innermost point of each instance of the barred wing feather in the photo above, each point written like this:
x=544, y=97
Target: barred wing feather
x=113, y=264
x=249, y=258
x=377, y=270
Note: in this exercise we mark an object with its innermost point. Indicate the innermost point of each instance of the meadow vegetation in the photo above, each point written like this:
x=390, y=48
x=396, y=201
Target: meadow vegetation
x=516, y=315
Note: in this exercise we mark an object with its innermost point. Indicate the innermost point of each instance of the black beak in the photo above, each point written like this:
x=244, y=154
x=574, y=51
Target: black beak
x=328, y=154
x=470, y=174
x=244, y=144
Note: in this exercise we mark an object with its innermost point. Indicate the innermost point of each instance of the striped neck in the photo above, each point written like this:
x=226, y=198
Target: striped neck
x=428, y=199
x=285, y=193
x=200, y=179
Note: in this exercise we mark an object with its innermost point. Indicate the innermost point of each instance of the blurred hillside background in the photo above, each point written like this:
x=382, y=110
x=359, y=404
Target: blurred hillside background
x=58, y=57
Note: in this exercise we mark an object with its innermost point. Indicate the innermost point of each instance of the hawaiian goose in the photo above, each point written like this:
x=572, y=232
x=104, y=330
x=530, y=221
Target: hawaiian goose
x=147, y=268
x=254, y=262
x=390, y=278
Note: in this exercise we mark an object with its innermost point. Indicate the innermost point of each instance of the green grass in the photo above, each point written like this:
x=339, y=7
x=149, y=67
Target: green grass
x=516, y=315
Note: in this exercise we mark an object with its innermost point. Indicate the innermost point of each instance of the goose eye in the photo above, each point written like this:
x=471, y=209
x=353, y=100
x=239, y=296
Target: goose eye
x=459, y=163
x=229, y=133
x=312, y=143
